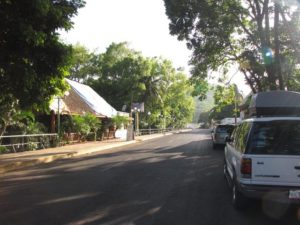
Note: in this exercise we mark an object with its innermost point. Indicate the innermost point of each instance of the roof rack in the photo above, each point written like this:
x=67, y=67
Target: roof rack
x=275, y=103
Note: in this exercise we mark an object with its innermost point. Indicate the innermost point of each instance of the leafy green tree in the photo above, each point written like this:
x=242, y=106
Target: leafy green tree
x=180, y=103
x=201, y=87
x=7, y=111
x=119, y=71
x=224, y=96
x=154, y=71
x=261, y=36
x=23, y=122
x=221, y=113
x=123, y=76
x=33, y=62
x=227, y=100
x=82, y=64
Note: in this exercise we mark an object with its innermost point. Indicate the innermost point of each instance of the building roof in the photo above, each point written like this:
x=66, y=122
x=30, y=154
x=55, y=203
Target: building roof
x=81, y=99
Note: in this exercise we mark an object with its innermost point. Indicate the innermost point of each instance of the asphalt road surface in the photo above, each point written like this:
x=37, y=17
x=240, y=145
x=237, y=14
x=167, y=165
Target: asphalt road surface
x=173, y=180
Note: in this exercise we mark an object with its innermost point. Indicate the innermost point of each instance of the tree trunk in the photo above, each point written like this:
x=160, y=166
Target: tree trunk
x=251, y=84
x=267, y=22
x=263, y=33
x=277, y=47
x=270, y=69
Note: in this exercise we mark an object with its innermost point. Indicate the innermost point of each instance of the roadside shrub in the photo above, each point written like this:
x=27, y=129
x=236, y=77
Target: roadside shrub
x=67, y=125
x=3, y=149
x=80, y=126
x=32, y=146
x=93, y=122
x=86, y=126
x=120, y=120
x=91, y=136
x=24, y=123
x=54, y=142
x=36, y=128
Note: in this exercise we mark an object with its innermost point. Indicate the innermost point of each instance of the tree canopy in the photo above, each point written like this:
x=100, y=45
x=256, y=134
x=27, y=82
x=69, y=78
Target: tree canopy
x=123, y=76
x=226, y=99
x=262, y=36
x=82, y=63
x=117, y=76
x=32, y=59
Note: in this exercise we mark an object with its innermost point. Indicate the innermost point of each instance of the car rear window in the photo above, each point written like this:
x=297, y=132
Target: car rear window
x=275, y=138
x=225, y=129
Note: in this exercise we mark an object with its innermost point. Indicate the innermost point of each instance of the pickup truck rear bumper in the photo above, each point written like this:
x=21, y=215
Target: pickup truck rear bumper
x=273, y=193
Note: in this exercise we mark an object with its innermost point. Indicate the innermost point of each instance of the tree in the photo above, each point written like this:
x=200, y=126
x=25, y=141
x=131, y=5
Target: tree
x=224, y=112
x=82, y=64
x=24, y=122
x=154, y=70
x=181, y=103
x=226, y=99
x=122, y=76
x=118, y=74
x=173, y=106
x=201, y=87
x=261, y=36
x=33, y=62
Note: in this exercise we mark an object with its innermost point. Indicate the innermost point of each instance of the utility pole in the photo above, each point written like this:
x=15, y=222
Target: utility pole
x=235, y=104
x=137, y=121
x=58, y=116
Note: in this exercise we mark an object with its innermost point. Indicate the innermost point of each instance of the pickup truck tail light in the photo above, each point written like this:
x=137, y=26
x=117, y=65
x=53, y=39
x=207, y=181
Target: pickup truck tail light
x=246, y=167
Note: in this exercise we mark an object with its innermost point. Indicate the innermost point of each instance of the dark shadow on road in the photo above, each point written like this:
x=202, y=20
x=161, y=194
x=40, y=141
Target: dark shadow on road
x=181, y=185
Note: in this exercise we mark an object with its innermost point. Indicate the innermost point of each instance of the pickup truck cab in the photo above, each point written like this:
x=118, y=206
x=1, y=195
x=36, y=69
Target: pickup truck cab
x=262, y=160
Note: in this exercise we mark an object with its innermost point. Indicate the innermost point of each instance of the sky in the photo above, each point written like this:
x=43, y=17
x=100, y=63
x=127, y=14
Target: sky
x=141, y=23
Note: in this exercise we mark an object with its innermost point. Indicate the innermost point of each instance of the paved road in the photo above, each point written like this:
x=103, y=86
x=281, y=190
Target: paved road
x=174, y=180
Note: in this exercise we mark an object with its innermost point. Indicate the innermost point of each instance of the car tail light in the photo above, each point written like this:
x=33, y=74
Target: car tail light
x=246, y=167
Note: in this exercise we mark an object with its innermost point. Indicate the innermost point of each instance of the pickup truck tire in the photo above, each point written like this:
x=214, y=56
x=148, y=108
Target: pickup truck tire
x=237, y=198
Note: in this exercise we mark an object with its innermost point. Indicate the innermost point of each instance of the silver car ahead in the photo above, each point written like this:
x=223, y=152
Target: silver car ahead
x=220, y=132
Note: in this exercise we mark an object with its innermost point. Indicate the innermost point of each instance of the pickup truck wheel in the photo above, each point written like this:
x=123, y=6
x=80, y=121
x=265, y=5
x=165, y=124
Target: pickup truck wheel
x=238, y=199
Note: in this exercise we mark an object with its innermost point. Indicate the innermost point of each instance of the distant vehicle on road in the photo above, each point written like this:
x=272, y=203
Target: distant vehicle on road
x=220, y=132
x=262, y=157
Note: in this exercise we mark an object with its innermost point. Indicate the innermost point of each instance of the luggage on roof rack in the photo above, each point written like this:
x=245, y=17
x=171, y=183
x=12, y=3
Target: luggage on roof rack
x=275, y=103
